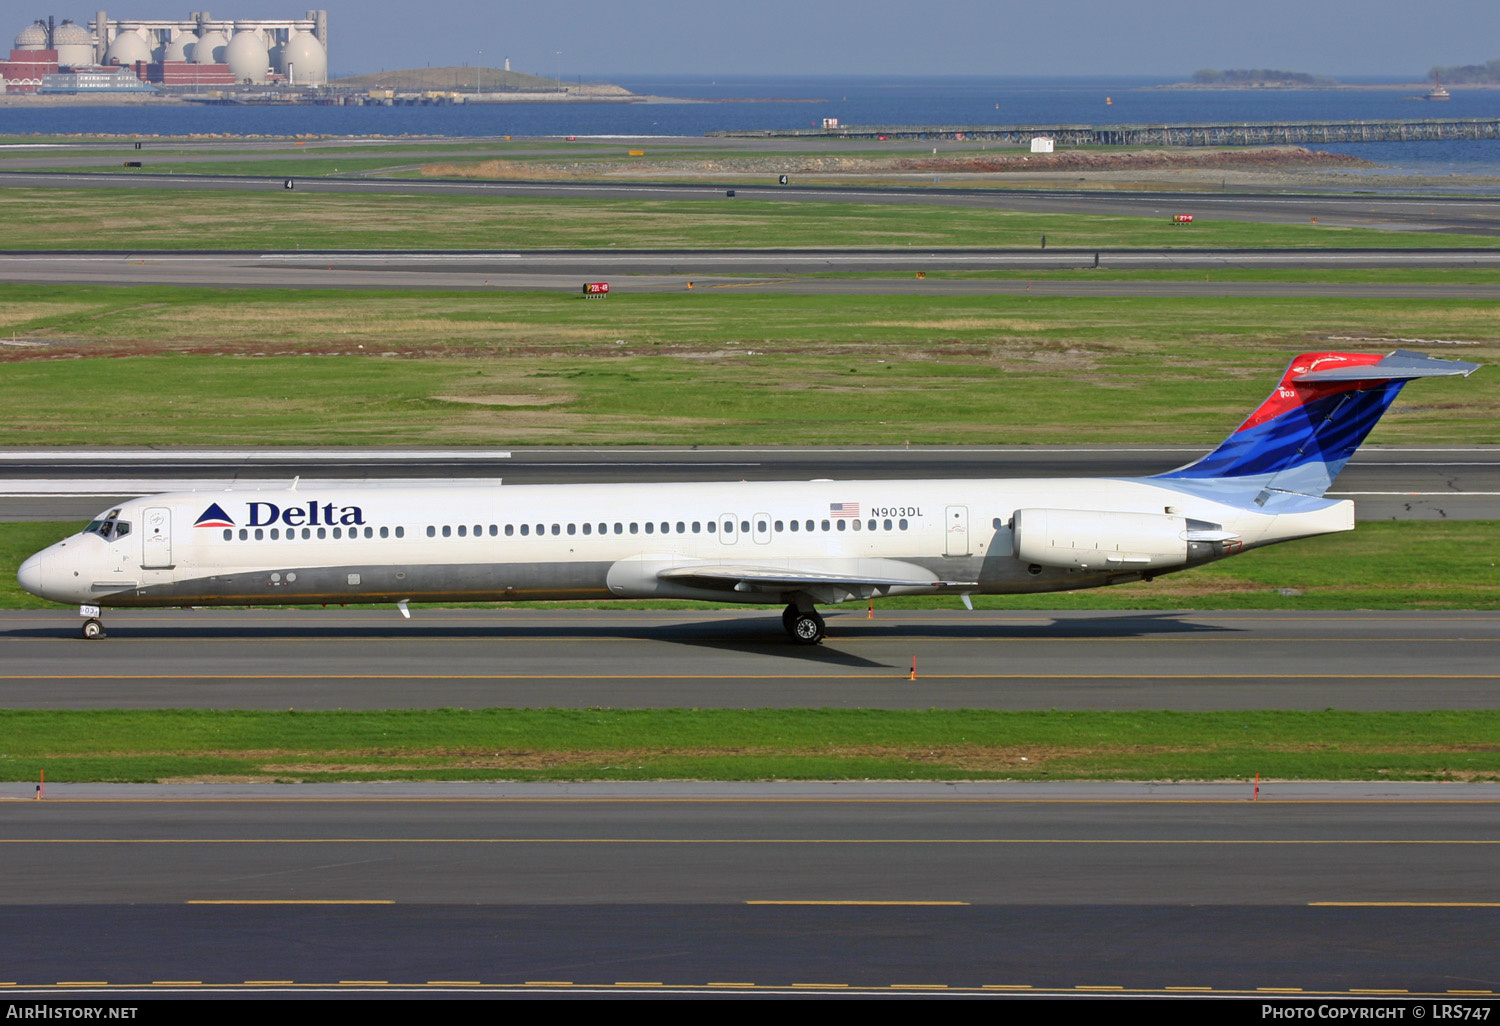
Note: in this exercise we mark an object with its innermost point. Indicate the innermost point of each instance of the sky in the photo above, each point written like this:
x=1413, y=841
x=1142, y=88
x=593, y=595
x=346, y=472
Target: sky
x=597, y=39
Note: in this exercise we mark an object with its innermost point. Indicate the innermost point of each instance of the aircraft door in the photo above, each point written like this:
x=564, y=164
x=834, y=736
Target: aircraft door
x=156, y=539
x=956, y=531
x=762, y=526
x=729, y=528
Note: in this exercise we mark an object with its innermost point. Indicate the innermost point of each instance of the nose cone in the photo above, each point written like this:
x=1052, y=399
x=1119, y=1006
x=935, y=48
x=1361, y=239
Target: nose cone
x=30, y=575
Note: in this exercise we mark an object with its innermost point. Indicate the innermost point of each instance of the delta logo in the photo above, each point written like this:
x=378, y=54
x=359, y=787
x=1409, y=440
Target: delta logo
x=214, y=516
x=264, y=514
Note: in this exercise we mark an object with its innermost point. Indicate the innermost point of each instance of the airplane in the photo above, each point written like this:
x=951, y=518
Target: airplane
x=798, y=543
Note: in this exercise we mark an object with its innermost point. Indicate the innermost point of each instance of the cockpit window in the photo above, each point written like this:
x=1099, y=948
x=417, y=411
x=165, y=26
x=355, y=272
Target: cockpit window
x=108, y=529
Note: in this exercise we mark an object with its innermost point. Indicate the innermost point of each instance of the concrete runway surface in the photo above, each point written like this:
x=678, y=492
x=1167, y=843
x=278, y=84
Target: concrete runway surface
x=996, y=659
x=1359, y=891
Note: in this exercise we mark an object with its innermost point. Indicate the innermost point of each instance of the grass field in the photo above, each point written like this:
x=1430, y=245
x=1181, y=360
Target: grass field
x=707, y=367
x=146, y=219
x=765, y=744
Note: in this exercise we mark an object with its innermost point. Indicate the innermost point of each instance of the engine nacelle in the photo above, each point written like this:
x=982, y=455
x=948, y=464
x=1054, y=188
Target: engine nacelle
x=1086, y=539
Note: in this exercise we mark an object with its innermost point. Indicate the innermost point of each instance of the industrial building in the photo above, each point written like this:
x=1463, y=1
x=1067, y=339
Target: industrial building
x=198, y=51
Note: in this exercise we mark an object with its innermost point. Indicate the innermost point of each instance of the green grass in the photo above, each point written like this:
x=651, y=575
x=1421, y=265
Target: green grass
x=1407, y=564
x=766, y=744
x=146, y=219
x=711, y=366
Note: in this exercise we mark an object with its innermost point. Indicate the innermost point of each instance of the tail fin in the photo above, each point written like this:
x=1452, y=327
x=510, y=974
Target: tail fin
x=1302, y=435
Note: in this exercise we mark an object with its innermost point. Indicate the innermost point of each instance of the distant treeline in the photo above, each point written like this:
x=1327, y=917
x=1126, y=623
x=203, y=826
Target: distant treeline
x=1246, y=76
x=1461, y=74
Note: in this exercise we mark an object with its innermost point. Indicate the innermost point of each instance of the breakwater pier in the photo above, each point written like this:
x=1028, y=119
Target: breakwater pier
x=1229, y=133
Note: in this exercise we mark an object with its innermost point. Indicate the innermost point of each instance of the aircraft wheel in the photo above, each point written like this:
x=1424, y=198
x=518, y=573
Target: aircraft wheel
x=789, y=617
x=808, y=628
x=92, y=629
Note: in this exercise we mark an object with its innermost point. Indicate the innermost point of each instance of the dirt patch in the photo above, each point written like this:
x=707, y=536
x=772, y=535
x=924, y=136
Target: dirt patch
x=991, y=162
x=506, y=400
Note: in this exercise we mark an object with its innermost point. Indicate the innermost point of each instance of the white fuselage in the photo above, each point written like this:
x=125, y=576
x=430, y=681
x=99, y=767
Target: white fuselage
x=730, y=542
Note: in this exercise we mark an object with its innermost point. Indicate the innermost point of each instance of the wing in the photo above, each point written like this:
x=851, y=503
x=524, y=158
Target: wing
x=823, y=585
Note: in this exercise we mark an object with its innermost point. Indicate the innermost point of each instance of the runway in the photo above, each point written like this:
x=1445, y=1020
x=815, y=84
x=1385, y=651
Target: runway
x=1479, y=216
x=732, y=658
x=1385, y=482
x=994, y=890
x=786, y=272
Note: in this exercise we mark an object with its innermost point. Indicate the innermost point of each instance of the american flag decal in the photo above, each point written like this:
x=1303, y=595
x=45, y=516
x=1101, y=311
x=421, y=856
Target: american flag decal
x=843, y=509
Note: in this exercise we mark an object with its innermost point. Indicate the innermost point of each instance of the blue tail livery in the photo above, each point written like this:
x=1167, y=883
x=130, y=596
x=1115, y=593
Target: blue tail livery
x=1320, y=411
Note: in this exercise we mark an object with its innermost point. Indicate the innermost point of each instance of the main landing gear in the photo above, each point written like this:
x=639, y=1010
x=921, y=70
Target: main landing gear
x=805, y=626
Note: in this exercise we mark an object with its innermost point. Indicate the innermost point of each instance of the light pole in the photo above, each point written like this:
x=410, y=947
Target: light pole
x=557, y=67
x=477, y=72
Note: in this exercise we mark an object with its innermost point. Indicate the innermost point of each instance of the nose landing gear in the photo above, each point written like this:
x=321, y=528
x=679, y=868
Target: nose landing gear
x=93, y=627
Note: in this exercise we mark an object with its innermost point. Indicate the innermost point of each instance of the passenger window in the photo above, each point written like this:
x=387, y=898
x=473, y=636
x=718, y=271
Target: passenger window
x=810, y=525
x=275, y=534
x=903, y=525
x=244, y=535
x=462, y=530
x=261, y=535
x=778, y=526
x=697, y=527
x=510, y=530
x=447, y=531
x=681, y=527
x=307, y=532
x=228, y=534
x=588, y=528
x=323, y=532
x=842, y=524
x=634, y=528
x=572, y=528
x=888, y=525
x=555, y=529
x=400, y=532
x=525, y=530
x=712, y=527
x=649, y=526
x=619, y=528
x=794, y=525
x=385, y=532
x=825, y=525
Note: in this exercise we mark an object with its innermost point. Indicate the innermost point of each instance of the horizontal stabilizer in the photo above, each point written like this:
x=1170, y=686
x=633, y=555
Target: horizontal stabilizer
x=1399, y=366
